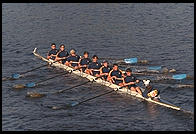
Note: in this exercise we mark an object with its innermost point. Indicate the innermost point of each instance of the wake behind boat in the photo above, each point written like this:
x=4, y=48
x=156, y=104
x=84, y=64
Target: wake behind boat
x=106, y=83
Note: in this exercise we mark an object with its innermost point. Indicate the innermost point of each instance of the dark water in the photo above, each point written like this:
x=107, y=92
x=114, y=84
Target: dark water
x=161, y=33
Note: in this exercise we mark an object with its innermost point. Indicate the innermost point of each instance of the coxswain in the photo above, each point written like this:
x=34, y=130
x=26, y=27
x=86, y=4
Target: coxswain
x=150, y=91
x=104, y=70
x=93, y=67
x=62, y=54
x=130, y=81
x=115, y=75
x=52, y=53
x=84, y=61
x=73, y=59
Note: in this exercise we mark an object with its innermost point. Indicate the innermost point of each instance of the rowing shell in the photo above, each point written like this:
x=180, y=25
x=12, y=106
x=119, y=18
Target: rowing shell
x=103, y=82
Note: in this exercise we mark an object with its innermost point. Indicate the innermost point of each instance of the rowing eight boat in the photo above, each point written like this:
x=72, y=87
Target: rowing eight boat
x=103, y=82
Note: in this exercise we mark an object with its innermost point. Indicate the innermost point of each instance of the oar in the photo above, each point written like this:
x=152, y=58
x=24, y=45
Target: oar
x=17, y=75
x=78, y=103
x=177, y=85
x=178, y=77
x=33, y=84
x=135, y=60
x=63, y=90
x=162, y=77
x=128, y=60
x=142, y=89
x=37, y=95
x=34, y=94
x=154, y=69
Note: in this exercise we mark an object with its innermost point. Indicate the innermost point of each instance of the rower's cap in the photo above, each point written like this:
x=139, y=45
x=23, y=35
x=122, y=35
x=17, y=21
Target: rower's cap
x=72, y=51
x=128, y=70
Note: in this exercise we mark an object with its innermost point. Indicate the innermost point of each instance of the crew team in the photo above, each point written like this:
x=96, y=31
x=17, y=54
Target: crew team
x=95, y=68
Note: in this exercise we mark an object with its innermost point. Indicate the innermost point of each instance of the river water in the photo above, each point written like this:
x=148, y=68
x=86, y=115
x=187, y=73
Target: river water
x=161, y=33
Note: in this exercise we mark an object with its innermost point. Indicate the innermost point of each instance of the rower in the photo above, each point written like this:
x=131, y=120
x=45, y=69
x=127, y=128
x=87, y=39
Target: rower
x=84, y=61
x=72, y=59
x=150, y=91
x=115, y=75
x=94, y=66
x=130, y=81
x=52, y=53
x=62, y=54
x=104, y=70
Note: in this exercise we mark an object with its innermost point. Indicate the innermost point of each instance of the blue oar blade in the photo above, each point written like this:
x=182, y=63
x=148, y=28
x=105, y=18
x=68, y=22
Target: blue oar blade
x=179, y=76
x=32, y=84
x=15, y=76
x=131, y=60
x=75, y=103
x=154, y=68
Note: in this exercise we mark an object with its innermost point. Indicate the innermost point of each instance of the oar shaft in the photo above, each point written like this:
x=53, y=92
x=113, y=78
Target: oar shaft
x=95, y=97
x=60, y=91
x=36, y=68
x=33, y=69
x=52, y=77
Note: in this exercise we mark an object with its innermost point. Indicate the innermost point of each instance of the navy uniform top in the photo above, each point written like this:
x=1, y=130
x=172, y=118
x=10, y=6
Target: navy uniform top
x=85, y=61
x=117, y=73
x=130, y=79
x=62, y=54
x=105, y=70
x=95, y=66
x=73, y=59
x=54, y=52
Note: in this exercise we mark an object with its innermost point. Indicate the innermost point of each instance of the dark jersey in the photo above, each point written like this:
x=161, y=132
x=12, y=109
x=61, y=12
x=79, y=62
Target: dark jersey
x=84, y=61
x=105, y=70
x=130, y=79
x=54, y=52
x=95, y=66
x=73, y=59
x=63, y=54
x=118, y=74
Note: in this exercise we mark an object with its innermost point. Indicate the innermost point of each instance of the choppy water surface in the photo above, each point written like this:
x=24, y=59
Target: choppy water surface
x=160, y=33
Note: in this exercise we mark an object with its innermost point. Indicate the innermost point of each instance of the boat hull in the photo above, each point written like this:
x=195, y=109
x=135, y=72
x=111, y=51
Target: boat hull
x=103, y=82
